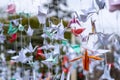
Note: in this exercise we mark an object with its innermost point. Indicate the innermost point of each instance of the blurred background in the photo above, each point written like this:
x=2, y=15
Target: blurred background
x=106, y=21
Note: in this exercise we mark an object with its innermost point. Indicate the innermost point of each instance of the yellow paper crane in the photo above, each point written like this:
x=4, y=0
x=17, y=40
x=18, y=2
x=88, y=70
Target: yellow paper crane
x=86, y=60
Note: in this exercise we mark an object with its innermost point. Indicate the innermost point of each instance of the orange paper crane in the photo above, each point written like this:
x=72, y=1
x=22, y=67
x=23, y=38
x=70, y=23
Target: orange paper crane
x=86, y=60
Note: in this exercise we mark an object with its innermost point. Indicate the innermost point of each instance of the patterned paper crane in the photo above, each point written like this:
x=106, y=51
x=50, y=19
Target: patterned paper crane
x=86, y=60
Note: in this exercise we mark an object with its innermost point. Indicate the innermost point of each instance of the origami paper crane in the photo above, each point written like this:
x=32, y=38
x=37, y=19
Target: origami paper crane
x=12, y=29
x=73, y=21
x=47, y=46
x=104, y=39
x=51, y=59
x=78, y=31
x=22, y=57
x=16, y=76
x=30, y=48
x=2, y=37
x=30, y=31
x=75, y=29
x=86, y=13
x=40, y=53
x=13, y=38
x=82, y=17
x=76, y=48
x=86, y=60
x=97, y=52
x=42, y=14
x=11, y=8
x=106, y=74
x=21, y=27
x=60, y=31
x=100, y=3
x=114, y=5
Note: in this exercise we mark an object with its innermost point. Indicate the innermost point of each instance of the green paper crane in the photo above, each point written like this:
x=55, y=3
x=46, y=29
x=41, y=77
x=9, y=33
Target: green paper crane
x=65, y=42
x=76, y=48
x=12, y=29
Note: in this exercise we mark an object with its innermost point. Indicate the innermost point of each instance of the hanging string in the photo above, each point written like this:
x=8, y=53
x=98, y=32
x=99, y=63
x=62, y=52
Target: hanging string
x=103, y=32
x=117, y=21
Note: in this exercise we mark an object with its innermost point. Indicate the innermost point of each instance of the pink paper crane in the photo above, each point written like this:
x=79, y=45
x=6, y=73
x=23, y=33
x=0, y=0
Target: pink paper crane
x=11, y=8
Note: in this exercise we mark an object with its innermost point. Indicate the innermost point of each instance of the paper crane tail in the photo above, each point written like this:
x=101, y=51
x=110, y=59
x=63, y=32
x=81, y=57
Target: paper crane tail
x=95, y=57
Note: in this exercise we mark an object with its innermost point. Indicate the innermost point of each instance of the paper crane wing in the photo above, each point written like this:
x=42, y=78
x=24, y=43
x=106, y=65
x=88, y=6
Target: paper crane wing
x=50, y=59
x=15, y=58
x=60, y=31
x=100, y=52
x=30, y=31
x=42, y=14
x=73, y=21
x=95, y=57
x=106, y=74
x=23, y=58
x=100, y=3
x=76, y=48
x=76, y=59
x=56, y=49
x=30, y=48
x=64, y=42
x=12, y=29
x=85, y=13
x=15, y=22
x=11, y=51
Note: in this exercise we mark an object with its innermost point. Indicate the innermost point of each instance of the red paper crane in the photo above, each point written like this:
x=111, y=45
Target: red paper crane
x=64, y=62
x=13, y=38
x=86, y=60
x=78, y=31
x=40, y=53
x=75, y=30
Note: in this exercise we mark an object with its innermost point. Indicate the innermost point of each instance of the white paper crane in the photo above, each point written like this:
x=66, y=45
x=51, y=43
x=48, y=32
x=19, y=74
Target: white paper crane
x=30, y=48
x=106, y=74
x=22, y=57
x=11, y=51
x=30, y=31
x=2, y=37
x=42, y=14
